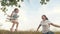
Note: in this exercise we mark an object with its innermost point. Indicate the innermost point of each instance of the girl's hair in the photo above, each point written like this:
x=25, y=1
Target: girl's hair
x=15, y=9
x=45, y=17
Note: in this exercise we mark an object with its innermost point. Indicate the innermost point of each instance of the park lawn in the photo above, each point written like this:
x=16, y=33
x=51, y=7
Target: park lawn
x=21, y=32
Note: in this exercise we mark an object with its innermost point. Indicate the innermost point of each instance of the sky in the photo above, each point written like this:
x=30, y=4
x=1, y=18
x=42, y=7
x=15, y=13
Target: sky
x=30, y=15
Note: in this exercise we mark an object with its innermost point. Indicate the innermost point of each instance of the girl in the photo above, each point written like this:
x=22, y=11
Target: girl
x=13, y=19
x=45, y=23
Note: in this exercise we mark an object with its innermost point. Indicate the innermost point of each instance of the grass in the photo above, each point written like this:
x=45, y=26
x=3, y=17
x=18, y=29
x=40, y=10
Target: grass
x=21, y=32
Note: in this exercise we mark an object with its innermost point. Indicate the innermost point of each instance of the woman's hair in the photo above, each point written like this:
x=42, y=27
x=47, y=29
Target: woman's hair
x=45, y=17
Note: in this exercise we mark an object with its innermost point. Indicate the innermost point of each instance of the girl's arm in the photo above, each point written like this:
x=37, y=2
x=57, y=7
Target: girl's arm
x=54, y=25
x=39, y=27
x=11, y=14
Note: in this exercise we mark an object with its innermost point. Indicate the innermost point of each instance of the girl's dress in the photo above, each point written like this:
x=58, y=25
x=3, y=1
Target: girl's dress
x=14, y=16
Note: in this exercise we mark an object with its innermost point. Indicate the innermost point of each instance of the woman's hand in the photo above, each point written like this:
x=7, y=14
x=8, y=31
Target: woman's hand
x=55, y=25
x=37, y=29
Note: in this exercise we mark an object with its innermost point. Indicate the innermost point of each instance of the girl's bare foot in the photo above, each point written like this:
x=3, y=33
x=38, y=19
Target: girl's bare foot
x=11, y=30
x=16, y=30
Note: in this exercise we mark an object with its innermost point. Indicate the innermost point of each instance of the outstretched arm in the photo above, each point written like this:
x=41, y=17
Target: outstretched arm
x=10, y=15
x=38, y=27
x=54, y=25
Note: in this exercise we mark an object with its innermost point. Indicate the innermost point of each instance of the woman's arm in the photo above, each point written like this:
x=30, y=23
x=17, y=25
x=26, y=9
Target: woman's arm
x=38, y=27
x=54, y=25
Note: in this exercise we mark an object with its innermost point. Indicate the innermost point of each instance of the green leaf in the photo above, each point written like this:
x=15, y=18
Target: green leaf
x=42, y=0
x=22, y=0
x=11, y=0
x=19, y=6
x=47, y=0
x=18, y=0
x=41, y=3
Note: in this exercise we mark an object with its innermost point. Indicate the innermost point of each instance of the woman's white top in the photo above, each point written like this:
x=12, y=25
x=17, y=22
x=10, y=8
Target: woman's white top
x=45, y=26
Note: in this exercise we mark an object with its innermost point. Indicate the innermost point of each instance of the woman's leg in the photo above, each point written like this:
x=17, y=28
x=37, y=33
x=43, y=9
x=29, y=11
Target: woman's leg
x=50, y=32
x=44, y=33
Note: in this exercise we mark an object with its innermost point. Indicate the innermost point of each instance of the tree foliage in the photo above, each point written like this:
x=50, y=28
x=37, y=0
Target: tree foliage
x=8, y=3
x=44, y=1
x=5, y=3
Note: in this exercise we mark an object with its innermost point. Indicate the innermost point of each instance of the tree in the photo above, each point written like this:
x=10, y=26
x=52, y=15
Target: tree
x=5, y=3
x=44, y=1
x=8, y=3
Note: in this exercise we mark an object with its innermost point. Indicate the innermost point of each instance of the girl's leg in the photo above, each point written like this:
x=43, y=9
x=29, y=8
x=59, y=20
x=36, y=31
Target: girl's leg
x=16, y=26
x=12, y=27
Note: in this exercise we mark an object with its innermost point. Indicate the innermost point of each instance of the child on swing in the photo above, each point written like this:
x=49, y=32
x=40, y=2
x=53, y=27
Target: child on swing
x=13, y=19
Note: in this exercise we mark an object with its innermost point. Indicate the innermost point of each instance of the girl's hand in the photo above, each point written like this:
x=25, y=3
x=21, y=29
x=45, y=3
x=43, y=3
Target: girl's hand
x=8, y=15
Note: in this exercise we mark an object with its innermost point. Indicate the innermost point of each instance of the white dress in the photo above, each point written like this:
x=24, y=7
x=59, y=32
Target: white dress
x=14, y=16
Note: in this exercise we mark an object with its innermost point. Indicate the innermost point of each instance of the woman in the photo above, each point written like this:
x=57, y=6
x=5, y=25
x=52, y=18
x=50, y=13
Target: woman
x=13, y=18
x=45, y=23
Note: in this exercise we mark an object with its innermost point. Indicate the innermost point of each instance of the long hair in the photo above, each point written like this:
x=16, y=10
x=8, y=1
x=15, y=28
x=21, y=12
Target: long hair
x=45, y=17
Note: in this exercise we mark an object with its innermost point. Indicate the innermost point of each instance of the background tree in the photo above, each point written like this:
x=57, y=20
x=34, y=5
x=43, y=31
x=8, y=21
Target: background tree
x=44, y=1
x=8, y=3
x=12, y=3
